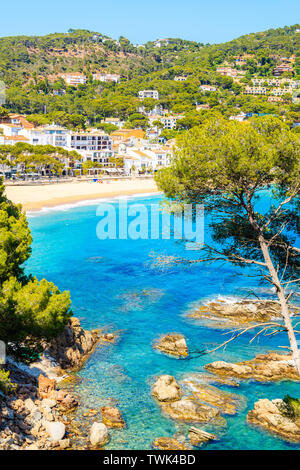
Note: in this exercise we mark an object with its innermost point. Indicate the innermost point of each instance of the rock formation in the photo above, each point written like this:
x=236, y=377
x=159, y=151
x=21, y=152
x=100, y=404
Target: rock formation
x=168, y=443
x=166, y=389
x=173, y=344
x=226, y=402
x=263, y=368
x=271, y=415
x=112, y=417
x=240, y=312
x=72, y=347
x=187, y=409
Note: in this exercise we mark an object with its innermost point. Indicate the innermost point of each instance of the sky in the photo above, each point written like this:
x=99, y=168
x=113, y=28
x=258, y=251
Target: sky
x=207, y=21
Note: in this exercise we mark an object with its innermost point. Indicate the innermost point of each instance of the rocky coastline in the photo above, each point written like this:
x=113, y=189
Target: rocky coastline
x=38, y=414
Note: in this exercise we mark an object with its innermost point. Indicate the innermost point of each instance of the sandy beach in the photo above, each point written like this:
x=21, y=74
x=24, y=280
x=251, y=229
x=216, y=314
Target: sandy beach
x=36, y=197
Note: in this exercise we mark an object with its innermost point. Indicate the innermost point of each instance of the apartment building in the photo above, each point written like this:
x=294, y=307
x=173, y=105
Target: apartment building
x=170, y=122
x=282, y=91
x=149, y=94
x=106, y=77
x=92, y=142
x=274, y=99
x=74, y=78
x=47, y=135
x=276, y=82
x=282, y=68
x=140, y=159
x=256, y=90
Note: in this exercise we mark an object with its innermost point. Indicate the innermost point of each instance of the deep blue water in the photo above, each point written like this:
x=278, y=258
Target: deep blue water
x=114, y=285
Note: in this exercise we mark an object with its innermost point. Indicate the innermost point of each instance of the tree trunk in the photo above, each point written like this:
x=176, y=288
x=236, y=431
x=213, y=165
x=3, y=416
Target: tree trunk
x=284, y=305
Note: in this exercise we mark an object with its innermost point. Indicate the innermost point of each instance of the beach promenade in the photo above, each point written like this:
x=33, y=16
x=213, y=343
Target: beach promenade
x=35, y=197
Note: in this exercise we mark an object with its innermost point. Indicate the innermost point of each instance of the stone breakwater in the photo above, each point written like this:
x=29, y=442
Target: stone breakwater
x=38, y=415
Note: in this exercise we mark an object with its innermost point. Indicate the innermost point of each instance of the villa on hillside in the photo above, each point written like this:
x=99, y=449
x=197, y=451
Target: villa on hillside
x=149, y=94
x=74, y=78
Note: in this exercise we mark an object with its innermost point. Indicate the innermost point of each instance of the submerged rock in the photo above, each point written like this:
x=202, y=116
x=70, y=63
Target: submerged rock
x=187, y=409
x=226, y=402
x=273, y=416
x=264, y=368
x=99, y=435
x=166, y=389
x=173, y=344
x=168, y=443
x=112, y=417
x=198, y=436
x=240, y=312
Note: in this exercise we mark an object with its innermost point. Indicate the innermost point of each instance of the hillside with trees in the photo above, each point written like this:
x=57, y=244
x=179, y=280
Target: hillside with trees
x=31, y=68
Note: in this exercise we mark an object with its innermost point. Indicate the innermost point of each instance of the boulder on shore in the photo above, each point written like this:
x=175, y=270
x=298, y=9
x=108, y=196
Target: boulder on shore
x=173, y=344
x=45, y=386
x=73, y=346
x=263, y=368
x=187, y=409
x=99, y=434
x=166, y=389
x=168, y=443
x=274, y=417
x=240, y=312
x=56, y=430
x=112, y=417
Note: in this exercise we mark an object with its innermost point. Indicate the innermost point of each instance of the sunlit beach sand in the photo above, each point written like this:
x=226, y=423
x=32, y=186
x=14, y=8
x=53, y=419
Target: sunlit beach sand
x=38, y=196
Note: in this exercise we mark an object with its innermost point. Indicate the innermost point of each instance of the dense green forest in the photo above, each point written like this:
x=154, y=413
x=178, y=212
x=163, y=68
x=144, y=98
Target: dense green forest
x=31, y=67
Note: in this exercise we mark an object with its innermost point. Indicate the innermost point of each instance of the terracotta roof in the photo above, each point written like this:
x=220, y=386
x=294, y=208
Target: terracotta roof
x=15, y=137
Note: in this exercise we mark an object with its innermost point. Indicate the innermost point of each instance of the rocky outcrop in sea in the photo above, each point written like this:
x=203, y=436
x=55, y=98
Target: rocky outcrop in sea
x=269, y=367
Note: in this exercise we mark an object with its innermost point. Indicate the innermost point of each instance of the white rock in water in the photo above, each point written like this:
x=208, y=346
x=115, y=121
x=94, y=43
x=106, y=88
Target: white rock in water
x=99, y=434
x=56, y=430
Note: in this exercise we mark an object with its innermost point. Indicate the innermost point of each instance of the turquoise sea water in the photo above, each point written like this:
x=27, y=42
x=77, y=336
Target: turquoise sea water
x=114, y=286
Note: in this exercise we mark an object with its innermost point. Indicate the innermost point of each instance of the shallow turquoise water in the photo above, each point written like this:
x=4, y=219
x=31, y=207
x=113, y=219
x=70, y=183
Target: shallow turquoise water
x=113, y=285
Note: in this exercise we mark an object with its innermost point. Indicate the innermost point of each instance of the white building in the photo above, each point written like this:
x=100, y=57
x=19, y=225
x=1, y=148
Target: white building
x=146, y=159
x=207, y=88
x=74, y=78
x=47, y=135
x=93, y=142
x=148, y=94
x=170, y=122
x=106, y=77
